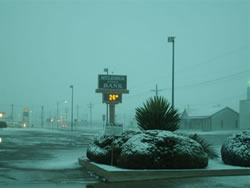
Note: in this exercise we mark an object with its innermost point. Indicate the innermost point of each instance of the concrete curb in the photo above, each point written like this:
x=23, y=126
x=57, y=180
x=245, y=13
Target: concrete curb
x=112, y=174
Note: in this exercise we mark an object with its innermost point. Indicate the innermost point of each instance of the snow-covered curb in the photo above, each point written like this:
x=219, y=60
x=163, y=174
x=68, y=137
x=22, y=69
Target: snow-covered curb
x=114, y=174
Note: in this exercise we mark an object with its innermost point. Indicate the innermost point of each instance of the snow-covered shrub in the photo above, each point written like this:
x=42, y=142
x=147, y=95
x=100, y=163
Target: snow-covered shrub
x=152, y=149
x=157, y=113
x=236, y=149
x=101, y=148
x=155, y=149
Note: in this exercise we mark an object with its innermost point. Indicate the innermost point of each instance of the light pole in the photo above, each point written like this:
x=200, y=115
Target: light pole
x=72, y=106
x=171, y=39
x=107, y=108
x=57, y=111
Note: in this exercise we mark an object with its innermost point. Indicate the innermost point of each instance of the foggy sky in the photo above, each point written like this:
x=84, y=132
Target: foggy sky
x=47, y=45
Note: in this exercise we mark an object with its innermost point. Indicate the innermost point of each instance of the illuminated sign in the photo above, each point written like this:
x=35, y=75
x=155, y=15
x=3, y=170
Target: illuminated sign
x=2, y=114
x=112, y=98
x=112, y=82
x=26, y=112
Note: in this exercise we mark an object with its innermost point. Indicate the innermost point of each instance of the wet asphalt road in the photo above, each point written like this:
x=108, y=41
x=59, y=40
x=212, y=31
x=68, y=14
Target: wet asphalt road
x=48, y=158
x=35, y=156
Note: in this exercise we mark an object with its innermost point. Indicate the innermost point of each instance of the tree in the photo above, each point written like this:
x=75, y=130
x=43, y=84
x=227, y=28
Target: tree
x=157, y=113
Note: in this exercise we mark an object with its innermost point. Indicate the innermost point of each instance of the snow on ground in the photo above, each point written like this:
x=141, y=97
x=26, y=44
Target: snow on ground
x=61, y=160
x=199, y=132
x=21, y=131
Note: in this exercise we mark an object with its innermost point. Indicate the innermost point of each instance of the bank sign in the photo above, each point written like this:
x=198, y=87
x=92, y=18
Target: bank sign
x=112, y=82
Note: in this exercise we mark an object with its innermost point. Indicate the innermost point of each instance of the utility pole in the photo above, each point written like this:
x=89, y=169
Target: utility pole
x=77, y=110
x=12, y=114
x=156, y=90
x=77, y=120
x=57, y=114
x=42, y=115
x=72, y=107
x=66, y=115
x=90, y=110
x=107, y=106
x=171, y=39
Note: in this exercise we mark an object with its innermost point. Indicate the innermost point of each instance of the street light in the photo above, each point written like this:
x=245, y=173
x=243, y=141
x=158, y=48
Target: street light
x=107, y=108
x=72, y=106
x=171, y=40
x=57, y=111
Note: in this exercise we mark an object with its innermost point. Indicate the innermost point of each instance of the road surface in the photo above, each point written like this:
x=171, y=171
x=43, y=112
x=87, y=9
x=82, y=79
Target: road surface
x=48, y=158
x=43, y=156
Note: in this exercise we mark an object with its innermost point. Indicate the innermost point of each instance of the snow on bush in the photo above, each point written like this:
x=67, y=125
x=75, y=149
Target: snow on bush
x=152, y=149
x=236, y=149
x=156, y=149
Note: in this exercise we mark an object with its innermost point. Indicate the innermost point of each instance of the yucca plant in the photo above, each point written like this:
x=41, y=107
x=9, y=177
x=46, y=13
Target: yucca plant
x=157, y=113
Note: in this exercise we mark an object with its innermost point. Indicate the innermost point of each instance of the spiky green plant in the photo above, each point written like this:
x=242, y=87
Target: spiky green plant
x=157, y=113
x=206, y=146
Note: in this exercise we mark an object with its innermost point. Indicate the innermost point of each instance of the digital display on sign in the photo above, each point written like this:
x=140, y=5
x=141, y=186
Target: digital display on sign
x=112, y=98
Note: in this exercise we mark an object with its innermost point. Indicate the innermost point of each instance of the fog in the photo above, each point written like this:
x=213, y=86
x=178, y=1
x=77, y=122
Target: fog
x=48, y=45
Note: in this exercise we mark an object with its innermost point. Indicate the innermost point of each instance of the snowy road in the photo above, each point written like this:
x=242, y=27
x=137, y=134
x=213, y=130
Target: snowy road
x=48, y=158
x=37, y=156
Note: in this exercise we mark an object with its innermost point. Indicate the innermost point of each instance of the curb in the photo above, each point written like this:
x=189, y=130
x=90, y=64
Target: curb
x=113, y=174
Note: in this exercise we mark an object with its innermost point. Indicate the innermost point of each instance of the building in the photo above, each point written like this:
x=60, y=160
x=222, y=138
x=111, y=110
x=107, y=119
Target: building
x=215, y=118
x=245, y=111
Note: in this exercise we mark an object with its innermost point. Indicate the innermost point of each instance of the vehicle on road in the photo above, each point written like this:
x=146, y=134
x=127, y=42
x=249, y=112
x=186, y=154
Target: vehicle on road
x=3, y=124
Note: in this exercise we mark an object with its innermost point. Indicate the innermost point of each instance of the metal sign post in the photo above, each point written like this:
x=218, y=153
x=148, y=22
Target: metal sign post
x=112, y=87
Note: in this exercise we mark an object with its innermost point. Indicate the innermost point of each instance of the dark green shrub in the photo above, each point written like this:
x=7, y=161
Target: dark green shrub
x=206, y=146
x=157, y=113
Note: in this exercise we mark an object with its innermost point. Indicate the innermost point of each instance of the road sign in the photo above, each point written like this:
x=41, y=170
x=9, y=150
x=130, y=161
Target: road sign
x=117, y=82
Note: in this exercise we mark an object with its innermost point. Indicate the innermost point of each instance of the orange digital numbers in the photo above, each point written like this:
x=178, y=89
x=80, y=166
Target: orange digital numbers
x=113, y=97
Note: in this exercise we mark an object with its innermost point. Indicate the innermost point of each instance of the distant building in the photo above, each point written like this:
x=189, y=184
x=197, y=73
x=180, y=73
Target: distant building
x=245, y=111
x=215, y=118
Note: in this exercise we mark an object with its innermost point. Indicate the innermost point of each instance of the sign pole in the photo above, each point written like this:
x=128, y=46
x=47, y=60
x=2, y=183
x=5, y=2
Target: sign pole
x=112, y=87
x=112, y=113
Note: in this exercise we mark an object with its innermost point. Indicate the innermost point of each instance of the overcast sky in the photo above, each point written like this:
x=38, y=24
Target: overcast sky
x=47, y=45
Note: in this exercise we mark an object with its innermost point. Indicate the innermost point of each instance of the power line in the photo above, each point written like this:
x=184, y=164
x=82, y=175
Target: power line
x=213, y=59
x=195, y=84
x=212, y=81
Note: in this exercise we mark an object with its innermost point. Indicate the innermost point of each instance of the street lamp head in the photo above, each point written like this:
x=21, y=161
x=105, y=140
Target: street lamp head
x=171, y=39
x=106, y=70
x=71, y=86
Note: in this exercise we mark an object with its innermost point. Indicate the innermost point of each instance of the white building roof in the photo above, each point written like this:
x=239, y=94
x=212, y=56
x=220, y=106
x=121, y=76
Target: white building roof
x=203, y=113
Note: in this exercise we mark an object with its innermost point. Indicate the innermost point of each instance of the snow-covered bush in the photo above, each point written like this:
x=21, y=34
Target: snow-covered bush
x=236, y=149
x=101, y=148
x=156, y=149
x=152, y=149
